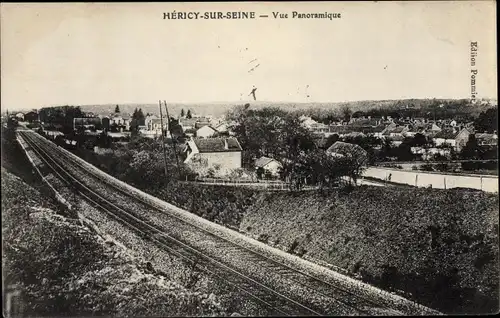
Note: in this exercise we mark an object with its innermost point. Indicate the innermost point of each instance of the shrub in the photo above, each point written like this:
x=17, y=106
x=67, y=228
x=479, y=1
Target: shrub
x=427, y=167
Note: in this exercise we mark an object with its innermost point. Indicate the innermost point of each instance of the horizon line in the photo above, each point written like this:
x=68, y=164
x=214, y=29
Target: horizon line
x=261, y=101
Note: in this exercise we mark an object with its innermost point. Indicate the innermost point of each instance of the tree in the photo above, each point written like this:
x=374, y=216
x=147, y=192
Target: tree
x=188, y=115
x=471, y=149
x=358, y=114
x=117, y=109
x=137, y=120
x=113, y=127
x=175, y=128
x=346, y=113
x=330, y=140
x=182, y=113
x=487, y=121
x=419, y=140
x=403, y=152
x=269, y=132
x=141, y=119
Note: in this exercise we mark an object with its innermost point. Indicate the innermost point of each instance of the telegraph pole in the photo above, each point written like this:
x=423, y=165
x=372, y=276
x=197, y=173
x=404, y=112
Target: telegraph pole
x=173, y=140
x=163, y=143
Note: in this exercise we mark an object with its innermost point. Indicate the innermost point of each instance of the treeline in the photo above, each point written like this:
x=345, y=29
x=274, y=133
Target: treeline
x=430, y=109
x=62, y=116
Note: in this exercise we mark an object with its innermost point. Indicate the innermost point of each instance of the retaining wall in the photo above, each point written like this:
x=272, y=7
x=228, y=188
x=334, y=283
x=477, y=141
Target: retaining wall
x=436, y=180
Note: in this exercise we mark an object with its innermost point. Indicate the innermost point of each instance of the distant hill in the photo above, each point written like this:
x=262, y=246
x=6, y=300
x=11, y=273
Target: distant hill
x=217, y=109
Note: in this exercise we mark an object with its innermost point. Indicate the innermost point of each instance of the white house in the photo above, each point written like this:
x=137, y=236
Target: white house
x=187, y=123
x=155, y=124
x=486, y=139
x=123, y=121
x=455, y=138
x=205, y=132
x=307, y=121
x=153, y=127
x=222, y=154
x=268, y=164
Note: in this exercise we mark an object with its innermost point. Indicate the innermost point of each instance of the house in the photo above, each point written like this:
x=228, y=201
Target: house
x=206, y=132
x=31, y=116
x=455, y=138
x=307, y=121
x=371, y=122
x=269, y=165
x=375, y=131
x=340, y=130
x=395, y=140
x=153, y=127
x=344, y=149
x=105, y=122
x=87, y=123
x=201, y=123
x=434, y=128
x=487, y=139
x=355, y=134
x=222, y=154
x=395, y=131
x=20, y=116
x=122, y=122
x=429, y=153
x=155, y=124
x=187, y=123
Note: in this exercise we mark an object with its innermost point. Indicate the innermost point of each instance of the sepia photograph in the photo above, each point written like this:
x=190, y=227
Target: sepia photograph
x=249, y=159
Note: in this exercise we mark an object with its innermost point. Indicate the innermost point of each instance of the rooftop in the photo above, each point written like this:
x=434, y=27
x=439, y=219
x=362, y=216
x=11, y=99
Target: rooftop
x=447, y=134
x=262, y=161
x=217, y=144
x=347, y=149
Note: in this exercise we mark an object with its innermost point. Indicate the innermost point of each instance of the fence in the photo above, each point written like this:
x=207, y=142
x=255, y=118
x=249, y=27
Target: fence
x=434, y=179
x=265, y=184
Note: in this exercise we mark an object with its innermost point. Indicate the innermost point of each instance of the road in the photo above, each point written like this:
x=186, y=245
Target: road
x=286, y=289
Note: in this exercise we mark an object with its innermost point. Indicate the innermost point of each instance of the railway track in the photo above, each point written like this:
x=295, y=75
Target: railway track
x=341, y=301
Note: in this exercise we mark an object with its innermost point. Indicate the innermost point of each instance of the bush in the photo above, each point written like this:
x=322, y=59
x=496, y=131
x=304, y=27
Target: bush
x=427, y=167
x=443, y=167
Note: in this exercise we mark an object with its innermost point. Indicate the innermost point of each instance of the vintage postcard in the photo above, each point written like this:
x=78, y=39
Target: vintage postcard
x=249, y=159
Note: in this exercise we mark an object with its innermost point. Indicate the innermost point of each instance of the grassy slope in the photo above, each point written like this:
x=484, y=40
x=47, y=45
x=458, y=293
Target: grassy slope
x=65, y=269
x=439, y=245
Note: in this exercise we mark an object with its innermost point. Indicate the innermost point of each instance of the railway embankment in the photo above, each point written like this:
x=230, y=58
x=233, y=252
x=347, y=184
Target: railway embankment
x=63, y=268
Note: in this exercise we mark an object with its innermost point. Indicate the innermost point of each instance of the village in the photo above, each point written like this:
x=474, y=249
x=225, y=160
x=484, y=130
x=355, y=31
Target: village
x=209, y=145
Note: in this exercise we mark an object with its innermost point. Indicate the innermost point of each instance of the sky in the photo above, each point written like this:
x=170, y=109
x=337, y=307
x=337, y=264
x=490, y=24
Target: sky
x=82, y=53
